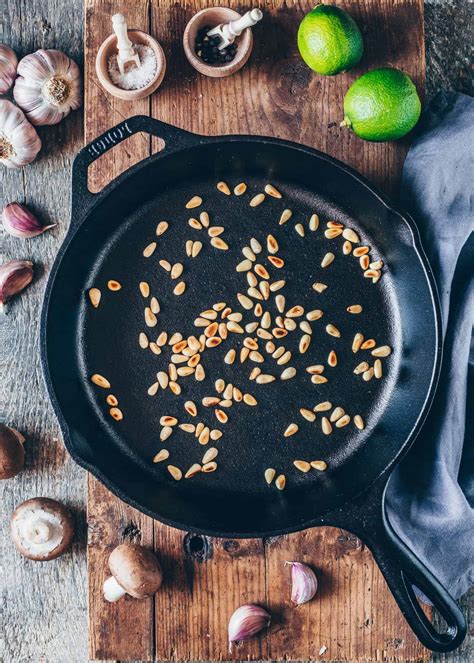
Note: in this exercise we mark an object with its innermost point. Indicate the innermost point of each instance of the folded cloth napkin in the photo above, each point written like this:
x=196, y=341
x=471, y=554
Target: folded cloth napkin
x=430, y=495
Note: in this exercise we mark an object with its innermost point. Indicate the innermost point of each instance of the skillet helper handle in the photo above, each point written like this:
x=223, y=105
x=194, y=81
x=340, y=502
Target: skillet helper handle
x=401, y=569
x=173, y=137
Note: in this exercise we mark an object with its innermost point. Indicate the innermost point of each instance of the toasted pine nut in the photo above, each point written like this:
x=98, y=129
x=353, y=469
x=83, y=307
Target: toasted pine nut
x=269, y=475
x=326, y=426
x=194, y=202
x=302, y=465
x=270, y=189
x=257, y=200
x=100, y=381
x=285, y=216
x=223, y=187
x=94, y=296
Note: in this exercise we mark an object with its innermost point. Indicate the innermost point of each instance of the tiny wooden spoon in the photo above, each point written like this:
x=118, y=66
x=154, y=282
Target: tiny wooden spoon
x=229, y=31
x=124, y=45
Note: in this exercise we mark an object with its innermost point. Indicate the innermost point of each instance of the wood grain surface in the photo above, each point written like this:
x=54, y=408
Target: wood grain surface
x=355, y=617
x=43, y=606
x=35, y=618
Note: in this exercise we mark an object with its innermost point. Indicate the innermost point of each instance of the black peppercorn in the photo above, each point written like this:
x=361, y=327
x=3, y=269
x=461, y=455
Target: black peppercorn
x=207, y=48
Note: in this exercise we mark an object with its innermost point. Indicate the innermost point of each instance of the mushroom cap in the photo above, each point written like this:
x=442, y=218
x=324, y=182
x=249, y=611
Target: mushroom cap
x=35, y=516
x=12, y=452
x=136, y=569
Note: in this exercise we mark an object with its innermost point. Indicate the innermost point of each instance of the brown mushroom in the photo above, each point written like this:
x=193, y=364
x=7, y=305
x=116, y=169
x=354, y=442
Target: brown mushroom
x=12, y=452
x=41, y=528
x=135, y=570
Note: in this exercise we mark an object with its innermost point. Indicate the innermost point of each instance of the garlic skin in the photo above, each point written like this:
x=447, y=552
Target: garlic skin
x=304, y=583
x=20, y=222
x=48, y=86
x=15, y=275
x=8, y=65
x=19, y=142
x=245, y=622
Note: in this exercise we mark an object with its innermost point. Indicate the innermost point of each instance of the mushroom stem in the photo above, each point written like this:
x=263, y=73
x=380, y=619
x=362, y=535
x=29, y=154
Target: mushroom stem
x=38, y=530
x=112, y=590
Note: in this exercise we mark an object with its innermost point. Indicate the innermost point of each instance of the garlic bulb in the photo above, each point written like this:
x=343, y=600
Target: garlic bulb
x=48, y=86
x=8, y=65
x=14, y=276
x=245, y=622
x=20, y=222
x=19, y=142
x=304, y=583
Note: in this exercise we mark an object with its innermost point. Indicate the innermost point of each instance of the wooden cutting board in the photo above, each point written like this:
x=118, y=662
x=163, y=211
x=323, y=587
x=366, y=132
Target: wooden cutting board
x=354, y=615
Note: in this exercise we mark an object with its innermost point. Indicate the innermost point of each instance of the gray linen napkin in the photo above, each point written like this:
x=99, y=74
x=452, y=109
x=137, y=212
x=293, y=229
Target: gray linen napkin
x=430, y=497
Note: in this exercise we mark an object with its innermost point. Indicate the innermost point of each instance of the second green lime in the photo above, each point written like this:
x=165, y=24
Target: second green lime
x=383, y=104
x=329, y=40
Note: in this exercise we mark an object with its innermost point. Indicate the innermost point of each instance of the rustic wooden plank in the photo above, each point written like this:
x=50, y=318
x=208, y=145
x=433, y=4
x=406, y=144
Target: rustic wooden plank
x=190, y=623
x=355, y=617
x=123, y=629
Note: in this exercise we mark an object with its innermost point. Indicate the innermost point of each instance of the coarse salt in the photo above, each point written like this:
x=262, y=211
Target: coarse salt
x=134, y=77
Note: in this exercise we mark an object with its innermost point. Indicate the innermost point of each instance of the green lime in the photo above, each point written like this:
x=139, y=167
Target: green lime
x=383, y=104
x=329, y=40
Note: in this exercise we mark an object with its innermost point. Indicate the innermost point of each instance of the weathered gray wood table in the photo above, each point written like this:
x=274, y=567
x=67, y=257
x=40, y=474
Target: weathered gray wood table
x=44, y=605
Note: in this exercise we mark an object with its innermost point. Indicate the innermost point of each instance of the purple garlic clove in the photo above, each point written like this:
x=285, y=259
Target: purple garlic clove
x=245, y=622
x=304, y=583
x=20, y=222
x=14, y=276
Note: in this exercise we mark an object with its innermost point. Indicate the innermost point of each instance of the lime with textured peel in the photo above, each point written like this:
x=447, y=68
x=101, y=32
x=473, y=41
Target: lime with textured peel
x=382, y=104
x=329, y=40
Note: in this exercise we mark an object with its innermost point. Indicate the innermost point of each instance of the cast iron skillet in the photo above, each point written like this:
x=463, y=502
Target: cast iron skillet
x=106, y=238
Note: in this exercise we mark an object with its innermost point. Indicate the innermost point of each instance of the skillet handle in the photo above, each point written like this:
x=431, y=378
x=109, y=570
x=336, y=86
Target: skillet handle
x=173, y=137
x=367, y=519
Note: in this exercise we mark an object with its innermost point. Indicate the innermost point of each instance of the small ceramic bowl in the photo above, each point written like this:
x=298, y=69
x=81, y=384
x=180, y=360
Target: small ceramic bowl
x=109, y=47
x=213, y=16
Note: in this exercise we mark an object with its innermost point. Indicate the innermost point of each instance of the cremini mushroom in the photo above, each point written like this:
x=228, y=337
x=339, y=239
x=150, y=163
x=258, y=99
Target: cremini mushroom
x=12, y=452
x=41, y=528
x=135, y=570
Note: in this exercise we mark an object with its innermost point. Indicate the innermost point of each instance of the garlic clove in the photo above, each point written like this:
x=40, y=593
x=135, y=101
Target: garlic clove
x=14, y=276
x=246, y=622
x=304, y=583
x=19, y=142
x=19, y=221
x=48, y=86
x=8, y=65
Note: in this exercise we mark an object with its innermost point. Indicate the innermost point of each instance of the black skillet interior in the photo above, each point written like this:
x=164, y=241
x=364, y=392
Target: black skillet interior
x=106, y=240
x=108, y=243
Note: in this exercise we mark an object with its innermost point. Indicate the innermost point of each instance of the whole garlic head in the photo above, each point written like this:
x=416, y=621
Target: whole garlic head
x=48, y=86
x=8, y=65
x=19, y=142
